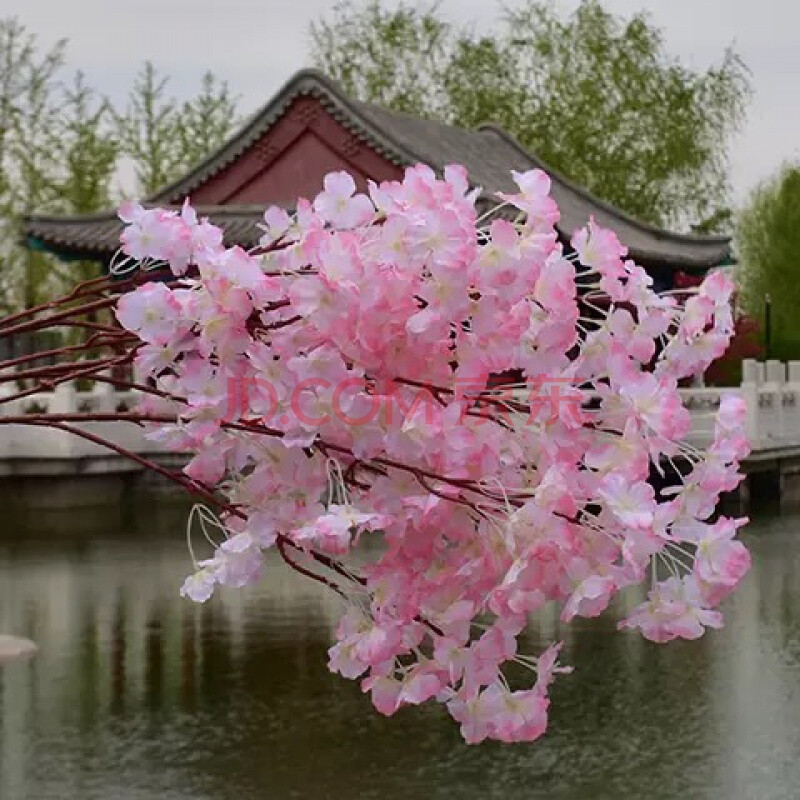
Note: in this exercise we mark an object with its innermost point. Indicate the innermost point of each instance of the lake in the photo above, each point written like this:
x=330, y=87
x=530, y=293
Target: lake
x=137, y=694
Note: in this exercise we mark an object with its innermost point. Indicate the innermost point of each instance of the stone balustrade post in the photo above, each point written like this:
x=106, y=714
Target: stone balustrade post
x=776, y=371
x=752, y=378
x=104, y=397
x=791, y=405
x=750, y=371
x=768, y=403
x=64, y=399
x=11, y=407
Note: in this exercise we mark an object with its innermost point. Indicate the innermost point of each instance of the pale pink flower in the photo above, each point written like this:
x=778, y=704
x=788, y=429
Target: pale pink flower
x=720, y=560
x=731, y=413
x=590, y=598
x=130, y=212
x=718, y=287
x=675, y=609
x=152, y=312
x=339, y=205
x=393, y=368
x=514, y=716
x=200, y=586
x=276, y=224
x=385, y=692
x=631, y=503
x=547, y=667
x=599, y=248
x=534, y=198
x=420, y=685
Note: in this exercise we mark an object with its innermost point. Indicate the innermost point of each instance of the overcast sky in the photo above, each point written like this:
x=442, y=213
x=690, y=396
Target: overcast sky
x=257, y=44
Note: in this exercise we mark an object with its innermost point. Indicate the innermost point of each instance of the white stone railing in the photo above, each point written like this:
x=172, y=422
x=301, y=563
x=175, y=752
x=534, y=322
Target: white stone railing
x=771, y=391
x=67, y=399
x=25, y=449
x=703, y=404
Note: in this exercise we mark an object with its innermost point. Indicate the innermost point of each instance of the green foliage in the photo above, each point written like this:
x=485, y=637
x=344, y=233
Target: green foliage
x=89, y=149
x=721, y=221
x=165, y=138
x=768, y=238
x=60, y=145
x=25, y=76
x=206, y=121
x=148, y=128
x=595, y=96
x=397, y=59
x=34, y=168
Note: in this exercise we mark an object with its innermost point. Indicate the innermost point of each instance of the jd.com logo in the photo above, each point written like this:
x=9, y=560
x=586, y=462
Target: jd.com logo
x=353, y=401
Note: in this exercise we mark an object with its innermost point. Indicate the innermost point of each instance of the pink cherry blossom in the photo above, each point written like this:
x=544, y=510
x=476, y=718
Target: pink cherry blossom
x=599, y=248
x=721, y=561
x=152, y=312
x=590, y=598
x=632, y=504
x=481, y=404
x=534, y=198
x=199, y=586
x=340, y=206
x=675, y=609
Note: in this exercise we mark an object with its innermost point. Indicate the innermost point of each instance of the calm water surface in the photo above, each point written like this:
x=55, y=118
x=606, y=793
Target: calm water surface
x=139, y=695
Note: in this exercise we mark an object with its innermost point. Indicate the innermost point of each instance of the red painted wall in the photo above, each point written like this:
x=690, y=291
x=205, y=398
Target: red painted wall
x=292, y=158
x=297, y=172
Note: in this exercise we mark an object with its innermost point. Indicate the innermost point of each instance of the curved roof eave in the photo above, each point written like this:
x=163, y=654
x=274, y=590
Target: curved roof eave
x=492, y=151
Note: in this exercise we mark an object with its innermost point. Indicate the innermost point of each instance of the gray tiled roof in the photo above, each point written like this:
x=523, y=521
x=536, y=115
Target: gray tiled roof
x=94, y=236
x=488, y=153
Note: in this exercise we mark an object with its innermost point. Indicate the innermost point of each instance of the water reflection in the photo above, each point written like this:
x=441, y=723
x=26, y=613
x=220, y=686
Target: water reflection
x=138, y=694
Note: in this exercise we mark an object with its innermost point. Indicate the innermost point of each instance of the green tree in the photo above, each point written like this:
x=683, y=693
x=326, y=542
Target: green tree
x=148, y=132
x=164, y=137
x=89, y=148
x=57, y=154
x=206, y=120
x=86, y=143
x=595, y=96
x=60, y=144
x=27, y=114
x=397, y=59
x=768, y=238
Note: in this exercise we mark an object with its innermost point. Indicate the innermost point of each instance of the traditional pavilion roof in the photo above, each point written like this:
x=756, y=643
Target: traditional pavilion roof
x=397, y=140
x=96, y=236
